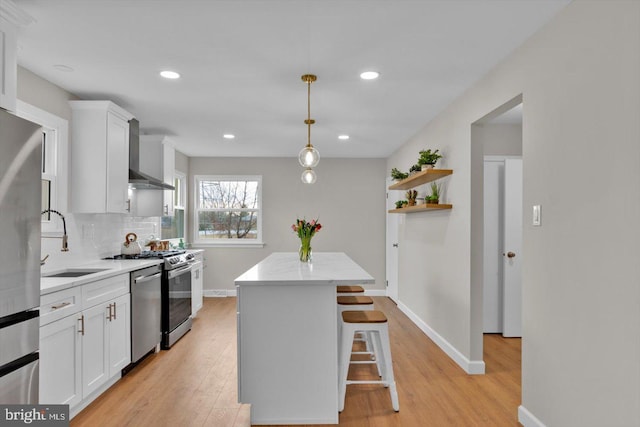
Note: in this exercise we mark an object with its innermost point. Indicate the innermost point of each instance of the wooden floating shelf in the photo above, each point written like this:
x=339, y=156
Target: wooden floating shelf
x=420, y=178
x=423, y=207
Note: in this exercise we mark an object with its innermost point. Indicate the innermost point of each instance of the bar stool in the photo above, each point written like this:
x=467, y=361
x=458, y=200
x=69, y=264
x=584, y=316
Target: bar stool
x=357, y=303
x=373, y=321
x=353, y=290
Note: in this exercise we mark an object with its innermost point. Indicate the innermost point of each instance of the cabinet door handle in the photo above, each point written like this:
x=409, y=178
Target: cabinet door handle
x=57, y=306
x=110, y=314
x=81, y=319
x=115, y=311
x=166, y=210
x=128, y=205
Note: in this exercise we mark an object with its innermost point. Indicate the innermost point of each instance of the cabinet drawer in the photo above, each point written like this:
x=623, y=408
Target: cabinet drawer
x=104, y=290
x=60, y=304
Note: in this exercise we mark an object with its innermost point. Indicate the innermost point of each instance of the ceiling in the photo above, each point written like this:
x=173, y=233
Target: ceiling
x=241, y=63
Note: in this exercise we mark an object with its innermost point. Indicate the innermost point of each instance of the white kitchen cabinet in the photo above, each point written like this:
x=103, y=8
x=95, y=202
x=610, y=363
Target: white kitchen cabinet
x=157, y=160
x=196, y=285
x=8, y=64
x=120, y=335
x=95, y=348
x=169, y=169
x=81, y=352
x=60, y=362
x=100, y=160
x=106, y=342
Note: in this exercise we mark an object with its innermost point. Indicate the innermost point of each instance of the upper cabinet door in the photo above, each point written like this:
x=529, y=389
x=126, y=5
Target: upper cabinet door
x=8, y=64
x=117, y=163
x=100, y=157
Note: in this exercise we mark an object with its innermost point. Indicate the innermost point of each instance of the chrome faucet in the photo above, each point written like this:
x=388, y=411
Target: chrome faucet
x=65, y=247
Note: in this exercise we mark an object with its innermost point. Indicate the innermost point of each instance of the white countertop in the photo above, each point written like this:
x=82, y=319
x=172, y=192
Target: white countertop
x=112, y=268
x=327, y=268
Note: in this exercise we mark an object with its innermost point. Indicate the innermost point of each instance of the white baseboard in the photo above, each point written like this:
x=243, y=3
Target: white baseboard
x=527, y=419
x=219, y=293
x=472, y=367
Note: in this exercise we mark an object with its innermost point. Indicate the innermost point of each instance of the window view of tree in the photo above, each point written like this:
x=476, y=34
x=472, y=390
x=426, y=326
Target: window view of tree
x=228, y=209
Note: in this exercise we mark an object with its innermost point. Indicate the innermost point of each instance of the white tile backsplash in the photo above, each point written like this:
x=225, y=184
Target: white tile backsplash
x=95, y=236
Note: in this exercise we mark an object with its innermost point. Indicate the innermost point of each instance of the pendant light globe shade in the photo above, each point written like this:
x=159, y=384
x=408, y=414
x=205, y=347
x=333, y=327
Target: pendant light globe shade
x=308, y=176
x=309, y=157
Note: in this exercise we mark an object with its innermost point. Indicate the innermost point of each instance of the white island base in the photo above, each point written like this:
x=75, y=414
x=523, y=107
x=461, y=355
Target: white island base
x=287, y=337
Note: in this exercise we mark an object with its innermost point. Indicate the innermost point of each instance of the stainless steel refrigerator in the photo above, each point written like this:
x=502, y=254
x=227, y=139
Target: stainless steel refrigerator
x=20, y=207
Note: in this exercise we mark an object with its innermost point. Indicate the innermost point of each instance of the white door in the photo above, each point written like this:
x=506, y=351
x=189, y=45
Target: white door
x=95, y=348
x=196, y=287
x=392, y=246
x=512, y=255
x=120, y=334
x=117, y=163
x=493, y=241
x=60, y=362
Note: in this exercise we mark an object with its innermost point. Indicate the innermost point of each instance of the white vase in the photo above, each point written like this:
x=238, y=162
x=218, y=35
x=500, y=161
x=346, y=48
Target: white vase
x=425, y=167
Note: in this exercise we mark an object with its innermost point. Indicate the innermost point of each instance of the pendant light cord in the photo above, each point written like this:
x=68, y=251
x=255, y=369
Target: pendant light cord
x=309, y=113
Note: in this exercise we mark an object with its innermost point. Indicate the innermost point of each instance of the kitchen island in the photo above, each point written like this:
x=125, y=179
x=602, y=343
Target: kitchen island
x=288, y=336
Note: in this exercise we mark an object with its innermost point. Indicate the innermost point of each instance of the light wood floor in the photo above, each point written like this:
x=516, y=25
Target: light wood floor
x=194, y=383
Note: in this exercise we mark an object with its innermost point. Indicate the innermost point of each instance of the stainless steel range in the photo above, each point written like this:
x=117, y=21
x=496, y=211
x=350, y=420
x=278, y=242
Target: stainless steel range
x=176, y=298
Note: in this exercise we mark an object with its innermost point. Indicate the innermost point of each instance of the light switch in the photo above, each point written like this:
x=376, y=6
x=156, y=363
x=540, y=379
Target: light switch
x=536, y=216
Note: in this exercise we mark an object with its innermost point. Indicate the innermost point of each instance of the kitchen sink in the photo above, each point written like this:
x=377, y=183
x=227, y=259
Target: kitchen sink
x=75, y=272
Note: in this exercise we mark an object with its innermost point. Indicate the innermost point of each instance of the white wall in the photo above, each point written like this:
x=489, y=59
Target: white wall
x=500, y=139
x=348, y=198
x=579, y=80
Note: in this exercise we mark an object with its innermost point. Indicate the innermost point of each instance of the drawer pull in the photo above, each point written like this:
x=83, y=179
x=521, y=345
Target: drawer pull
x=110, y=315
x=81, y=319
x=115, y=310
x=57, y=306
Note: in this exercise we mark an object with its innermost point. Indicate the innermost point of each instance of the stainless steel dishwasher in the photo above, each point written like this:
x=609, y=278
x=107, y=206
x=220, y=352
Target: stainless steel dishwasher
x=146, y=309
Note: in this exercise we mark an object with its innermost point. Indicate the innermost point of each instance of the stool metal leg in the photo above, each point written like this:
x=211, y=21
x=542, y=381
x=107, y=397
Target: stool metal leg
x=343, y=366
x=383, y=336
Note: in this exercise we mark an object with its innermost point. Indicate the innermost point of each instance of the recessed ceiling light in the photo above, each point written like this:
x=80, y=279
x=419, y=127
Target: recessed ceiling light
x=343, y=137
x=369, y=75
x=62, y=67
x=228, y=136
x=169, y=74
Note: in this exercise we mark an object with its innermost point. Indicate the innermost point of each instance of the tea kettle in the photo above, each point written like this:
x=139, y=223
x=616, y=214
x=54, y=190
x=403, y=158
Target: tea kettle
x=131, y=245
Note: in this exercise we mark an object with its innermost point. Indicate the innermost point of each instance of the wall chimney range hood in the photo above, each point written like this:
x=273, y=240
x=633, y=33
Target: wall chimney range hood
x=137, y=179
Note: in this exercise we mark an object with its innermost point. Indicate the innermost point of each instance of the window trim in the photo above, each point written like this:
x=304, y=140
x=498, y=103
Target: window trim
x=60, y=128
x=231, y=243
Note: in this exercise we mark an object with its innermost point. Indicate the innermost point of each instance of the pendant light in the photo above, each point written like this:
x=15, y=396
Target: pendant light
x=309, y=156
x=308, y=176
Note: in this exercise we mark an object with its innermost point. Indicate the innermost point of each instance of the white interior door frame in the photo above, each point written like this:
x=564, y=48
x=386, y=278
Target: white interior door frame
x=512, y=249
x=392, y=249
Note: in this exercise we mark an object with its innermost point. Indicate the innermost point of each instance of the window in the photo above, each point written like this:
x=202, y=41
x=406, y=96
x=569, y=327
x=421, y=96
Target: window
x=173, y=226
x=54, y=163
x=228, y=210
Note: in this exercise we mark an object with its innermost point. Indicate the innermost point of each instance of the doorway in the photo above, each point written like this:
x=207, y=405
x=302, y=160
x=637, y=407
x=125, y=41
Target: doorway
x=498, y=134
x=392, y=249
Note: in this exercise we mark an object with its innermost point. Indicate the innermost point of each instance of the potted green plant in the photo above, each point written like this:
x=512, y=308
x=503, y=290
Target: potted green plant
x=434, y=197
x=415, y=169
x=428, y=159
x=397, y=175
x=411, y=195
x=401, y=203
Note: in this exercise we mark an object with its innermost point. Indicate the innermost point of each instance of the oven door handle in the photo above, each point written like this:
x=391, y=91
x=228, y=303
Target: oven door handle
x=179, y=271
x=142, y=279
